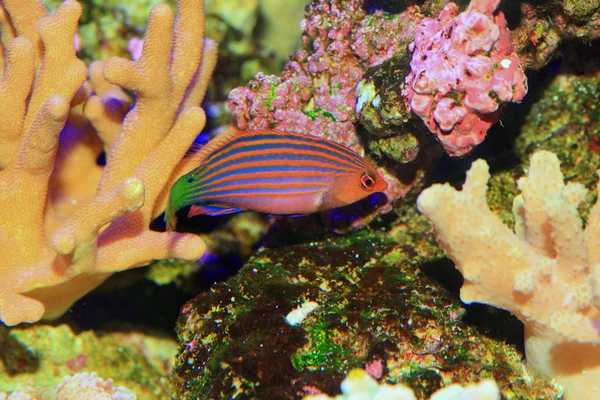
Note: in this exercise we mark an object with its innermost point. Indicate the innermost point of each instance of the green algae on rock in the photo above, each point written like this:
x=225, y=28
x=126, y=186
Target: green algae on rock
x=373, y=305
x=566, y=121
x=43, y=354
x=394, y=132
x=402, y=149
x=380, y=105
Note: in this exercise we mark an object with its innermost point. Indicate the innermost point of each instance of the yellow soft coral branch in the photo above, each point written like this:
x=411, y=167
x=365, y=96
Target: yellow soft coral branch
x=21, y=20
x=545, y=272
x=67, y=223
x=106, y=110
x=160, y=77
x=15, y=86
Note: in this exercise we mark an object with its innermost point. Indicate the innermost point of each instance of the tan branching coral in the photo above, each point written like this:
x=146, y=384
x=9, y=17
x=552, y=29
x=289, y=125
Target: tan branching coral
x=66, y=223
x=546, y=272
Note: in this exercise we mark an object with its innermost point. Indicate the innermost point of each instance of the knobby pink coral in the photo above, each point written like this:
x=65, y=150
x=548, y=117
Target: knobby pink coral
x=464, y=68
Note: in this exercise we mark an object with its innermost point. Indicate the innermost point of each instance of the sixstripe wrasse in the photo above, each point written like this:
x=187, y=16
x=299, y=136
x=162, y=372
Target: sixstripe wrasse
x=279, y=173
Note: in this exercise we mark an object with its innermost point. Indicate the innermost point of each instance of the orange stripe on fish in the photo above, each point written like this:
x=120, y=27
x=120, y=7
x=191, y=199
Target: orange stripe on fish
x=281, y=173
x=324, y=151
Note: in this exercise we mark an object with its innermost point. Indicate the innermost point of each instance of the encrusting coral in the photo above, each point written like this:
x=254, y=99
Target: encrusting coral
x=464, y=67
x=67, y=223
x=545, y=272
x=88, y=386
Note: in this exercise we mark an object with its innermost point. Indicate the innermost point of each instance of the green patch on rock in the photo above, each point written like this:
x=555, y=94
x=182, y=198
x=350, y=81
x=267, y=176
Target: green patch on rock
x=321, y=351
x=44, y=354
x=375, y=304
x=566, y=121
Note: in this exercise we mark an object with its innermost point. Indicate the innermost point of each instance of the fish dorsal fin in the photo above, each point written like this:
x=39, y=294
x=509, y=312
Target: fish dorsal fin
x=196, y=157
x=194, y=148
x=211, y=210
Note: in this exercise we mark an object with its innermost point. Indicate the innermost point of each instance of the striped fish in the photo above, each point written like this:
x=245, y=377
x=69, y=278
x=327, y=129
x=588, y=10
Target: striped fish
x=280, y=173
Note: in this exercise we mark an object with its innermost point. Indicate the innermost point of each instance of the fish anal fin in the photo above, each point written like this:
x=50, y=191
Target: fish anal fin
x=211, y=210
x=288, y=215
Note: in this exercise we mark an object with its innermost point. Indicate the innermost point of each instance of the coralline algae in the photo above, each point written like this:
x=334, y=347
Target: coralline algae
x=464, y=67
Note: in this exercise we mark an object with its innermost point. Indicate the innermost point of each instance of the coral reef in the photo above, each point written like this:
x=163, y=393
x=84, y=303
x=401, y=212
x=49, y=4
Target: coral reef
x=359, y=384
x=315, y=93
x=254, y=35
x=545, y=272
x=544, y=25
x=40, y=355
x=537, y=31
x=79, y=386
x=68, y=224
x=92, y=387
x=309, y=307
x=463, y=69
x=565, y=120
x=344, y=45
x=561, y=117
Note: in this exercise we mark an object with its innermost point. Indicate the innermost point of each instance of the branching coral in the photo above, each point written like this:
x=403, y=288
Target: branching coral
x=360, y=385
x=68, y=224
x=546, y=272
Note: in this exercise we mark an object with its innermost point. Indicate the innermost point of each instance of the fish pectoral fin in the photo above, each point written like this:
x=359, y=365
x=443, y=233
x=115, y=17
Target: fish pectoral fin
x=324, y=201
x=211, y=210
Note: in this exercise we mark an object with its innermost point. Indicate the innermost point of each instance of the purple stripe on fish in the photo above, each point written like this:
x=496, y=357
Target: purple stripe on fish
x=264, y=140
x=273, y=172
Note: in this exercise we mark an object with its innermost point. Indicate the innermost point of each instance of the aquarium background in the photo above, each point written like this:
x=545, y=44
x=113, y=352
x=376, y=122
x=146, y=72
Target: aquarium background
x=283, y=308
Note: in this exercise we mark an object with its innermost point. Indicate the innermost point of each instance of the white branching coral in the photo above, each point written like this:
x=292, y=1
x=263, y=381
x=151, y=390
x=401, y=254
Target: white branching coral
x=91, y=387
x=359, y=385
x=545, y=272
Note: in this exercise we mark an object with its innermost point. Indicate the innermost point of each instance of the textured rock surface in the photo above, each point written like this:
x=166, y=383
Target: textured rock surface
x=374, y=308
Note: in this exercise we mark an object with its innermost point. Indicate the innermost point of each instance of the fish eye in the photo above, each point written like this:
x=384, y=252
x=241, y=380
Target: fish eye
x=367, y=181
x=190, y=179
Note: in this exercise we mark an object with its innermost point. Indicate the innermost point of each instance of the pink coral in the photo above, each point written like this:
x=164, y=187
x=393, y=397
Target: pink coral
x=315, y=94
x=375, y=368
x=463, y=68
